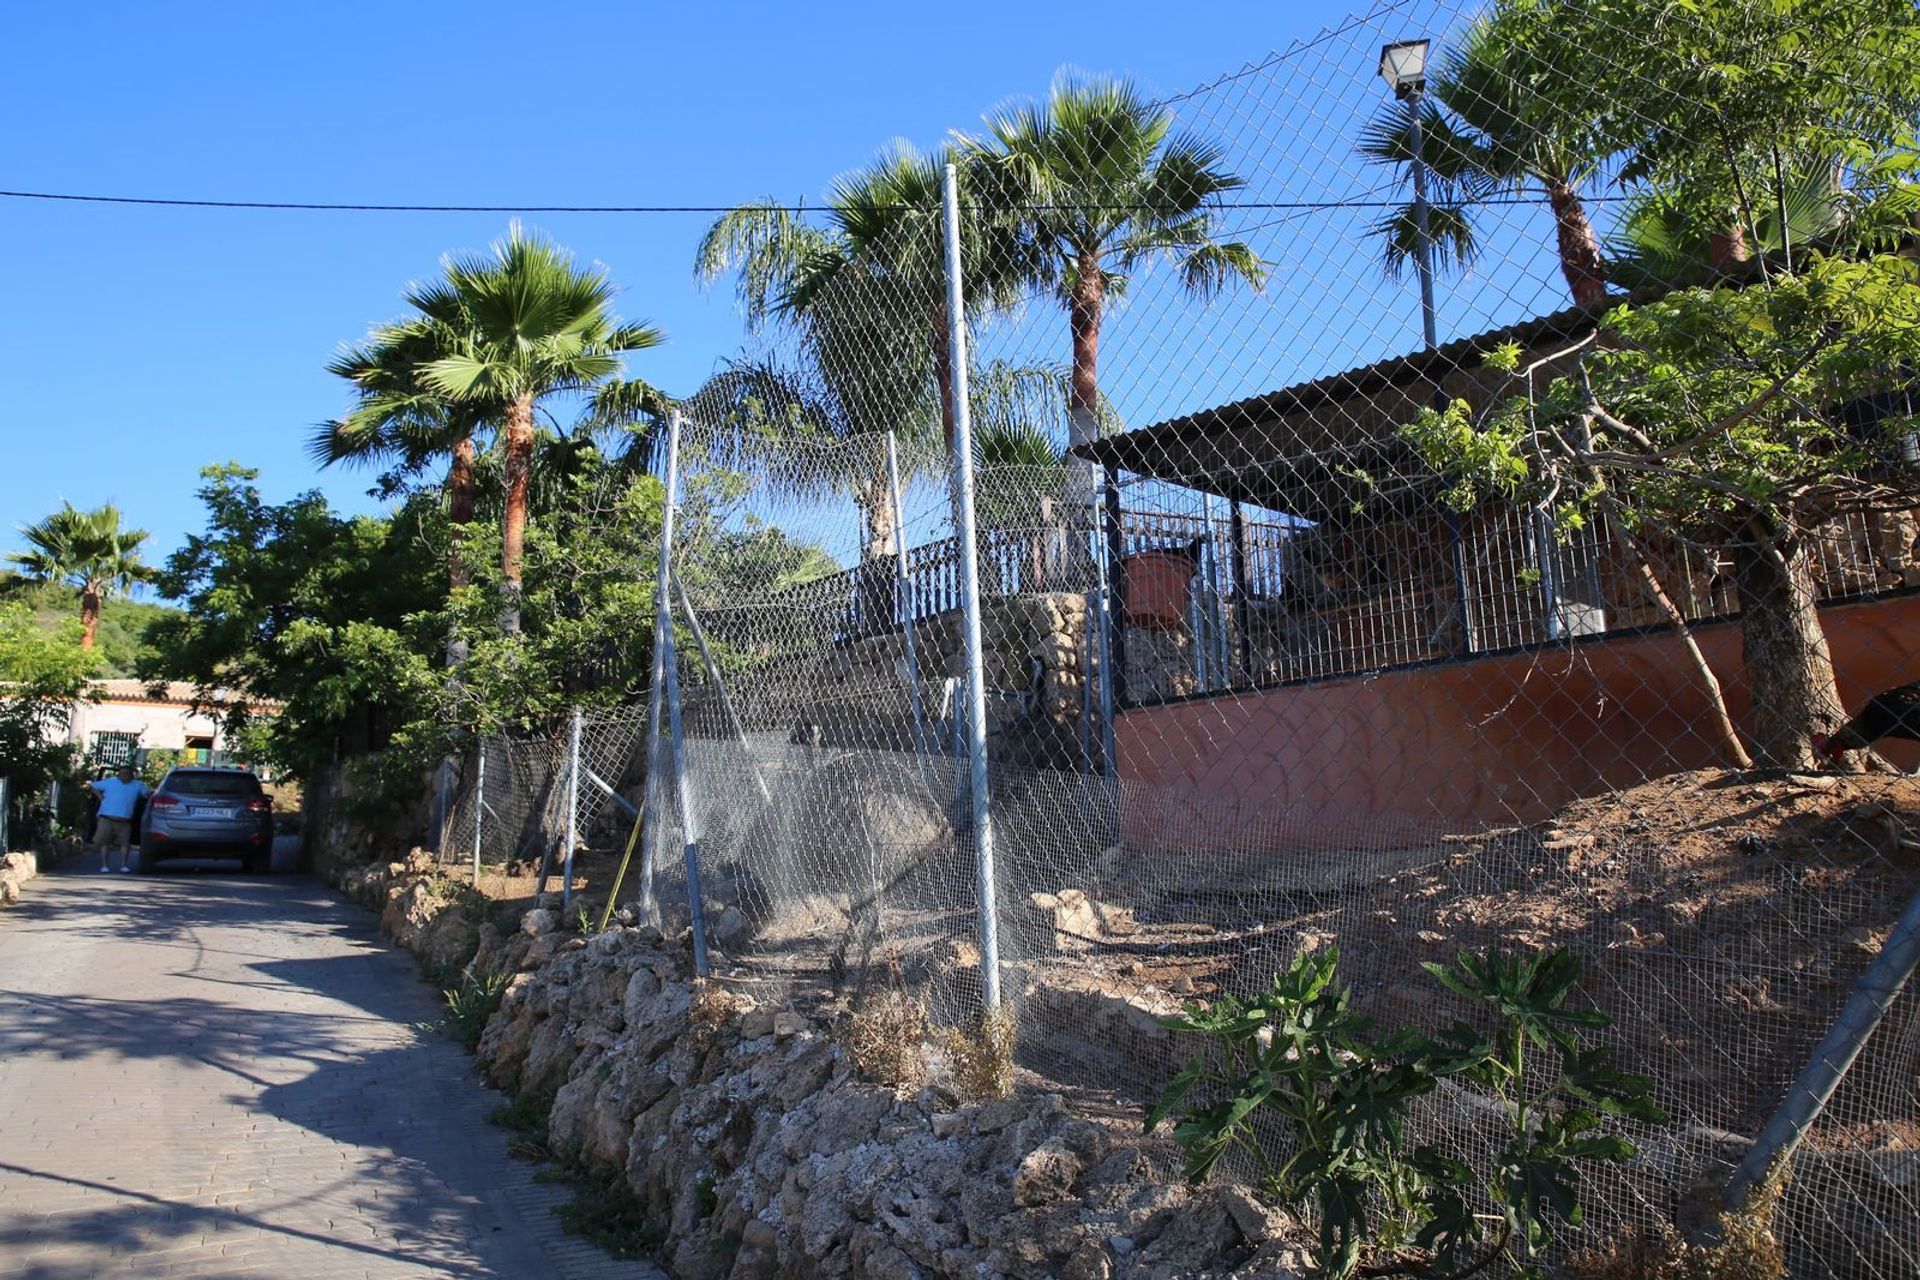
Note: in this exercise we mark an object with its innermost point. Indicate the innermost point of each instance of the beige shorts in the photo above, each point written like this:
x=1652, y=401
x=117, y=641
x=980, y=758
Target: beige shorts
x=113, y=833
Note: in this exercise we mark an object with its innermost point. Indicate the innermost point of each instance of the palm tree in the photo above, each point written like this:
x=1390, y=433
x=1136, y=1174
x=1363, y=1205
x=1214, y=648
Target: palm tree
x=396, y=419
x=87, y=550
x=865, y=298
x=1097, y=182
x=1499, y=117
x=502, y=332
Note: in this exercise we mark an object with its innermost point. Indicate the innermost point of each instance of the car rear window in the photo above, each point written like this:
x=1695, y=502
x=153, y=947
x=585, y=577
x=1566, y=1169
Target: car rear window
x=212, y=784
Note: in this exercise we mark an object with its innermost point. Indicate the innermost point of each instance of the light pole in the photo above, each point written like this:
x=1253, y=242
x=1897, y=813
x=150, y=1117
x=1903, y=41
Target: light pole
x=1403, y=65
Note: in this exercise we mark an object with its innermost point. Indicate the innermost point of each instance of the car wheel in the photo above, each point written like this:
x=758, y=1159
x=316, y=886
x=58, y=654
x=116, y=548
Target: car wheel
x=256, y=864
x=143, y=860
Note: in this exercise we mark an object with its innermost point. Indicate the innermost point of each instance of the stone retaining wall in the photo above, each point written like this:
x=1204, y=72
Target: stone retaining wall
x=759, y=1151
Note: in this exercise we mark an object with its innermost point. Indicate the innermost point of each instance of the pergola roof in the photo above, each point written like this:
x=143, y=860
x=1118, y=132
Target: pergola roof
x=1305, y=448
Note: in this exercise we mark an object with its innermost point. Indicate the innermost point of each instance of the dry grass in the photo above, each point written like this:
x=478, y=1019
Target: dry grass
x=983, y=1058
x=886, y=1038
x=713, y=1007
x=1747, y=1250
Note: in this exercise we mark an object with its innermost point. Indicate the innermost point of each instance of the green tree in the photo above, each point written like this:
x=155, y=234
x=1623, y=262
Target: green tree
x=42, y=675
x=1505, y=112
x=1098, y=183
x=504, y=332
x=1747, y=418
x=89, y=551
x=328, y=619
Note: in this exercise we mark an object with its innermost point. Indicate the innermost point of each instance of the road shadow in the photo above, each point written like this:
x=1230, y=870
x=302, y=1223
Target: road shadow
x=332, y=1044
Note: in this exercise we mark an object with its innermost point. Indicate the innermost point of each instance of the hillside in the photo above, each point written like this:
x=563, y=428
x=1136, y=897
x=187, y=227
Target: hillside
x=123, y=623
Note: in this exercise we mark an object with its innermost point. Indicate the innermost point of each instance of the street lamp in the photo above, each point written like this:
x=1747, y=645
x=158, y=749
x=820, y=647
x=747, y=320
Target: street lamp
x=1403, y=65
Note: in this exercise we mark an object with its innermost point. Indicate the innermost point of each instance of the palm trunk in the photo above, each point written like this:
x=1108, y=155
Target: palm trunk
x=460, y=485
x=1580, y=260
x=943, y=371
x=89, y=615
x=1083, y=405
x=1728, y=249
x=1789, y=667
x=513, y=533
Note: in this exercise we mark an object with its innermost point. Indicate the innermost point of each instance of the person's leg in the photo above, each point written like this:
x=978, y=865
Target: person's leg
x=103, y=839
x=119, y=832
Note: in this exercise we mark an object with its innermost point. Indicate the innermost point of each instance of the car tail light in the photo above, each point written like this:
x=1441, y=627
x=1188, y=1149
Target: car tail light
x=163, y=801
x=260, y=806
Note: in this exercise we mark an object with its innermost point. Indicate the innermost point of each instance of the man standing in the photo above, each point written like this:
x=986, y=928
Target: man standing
x=120, y=798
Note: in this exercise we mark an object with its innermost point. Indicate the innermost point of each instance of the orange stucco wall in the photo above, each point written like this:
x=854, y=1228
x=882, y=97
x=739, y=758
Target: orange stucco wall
x=1404, y=755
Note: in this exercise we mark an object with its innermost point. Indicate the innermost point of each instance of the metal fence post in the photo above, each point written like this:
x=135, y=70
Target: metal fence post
x=1879, y=987
x=689, y=825
x=6, y=809
x=479, y=805
x=982, y=818
x=656, y=692
x=1105, y=637
x=573, y=812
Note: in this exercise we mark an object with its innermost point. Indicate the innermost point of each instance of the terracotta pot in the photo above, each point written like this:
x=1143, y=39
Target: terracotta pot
x=1159, y=585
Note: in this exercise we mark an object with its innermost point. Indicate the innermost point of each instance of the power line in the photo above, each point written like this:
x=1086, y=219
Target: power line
x=329, y=207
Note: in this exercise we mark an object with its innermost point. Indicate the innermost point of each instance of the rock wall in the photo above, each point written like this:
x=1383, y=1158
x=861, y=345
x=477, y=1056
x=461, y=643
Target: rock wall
x=759, y=1151
x=15, y=870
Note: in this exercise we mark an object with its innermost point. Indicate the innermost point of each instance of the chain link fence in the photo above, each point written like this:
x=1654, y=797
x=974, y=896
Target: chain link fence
x=1275, y=610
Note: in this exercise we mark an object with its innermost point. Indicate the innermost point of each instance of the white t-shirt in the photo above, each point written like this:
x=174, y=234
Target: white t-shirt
x=117, y=798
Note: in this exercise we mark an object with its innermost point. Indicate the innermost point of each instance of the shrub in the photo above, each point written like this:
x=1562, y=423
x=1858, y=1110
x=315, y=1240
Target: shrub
x=886, y=1039
x=1298, y=1057
x=983, y=1057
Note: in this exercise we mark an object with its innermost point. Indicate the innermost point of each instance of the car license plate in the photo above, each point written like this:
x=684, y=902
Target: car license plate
x=213, y=813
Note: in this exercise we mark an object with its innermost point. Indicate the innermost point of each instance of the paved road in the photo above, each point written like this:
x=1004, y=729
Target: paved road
x=209, y=1075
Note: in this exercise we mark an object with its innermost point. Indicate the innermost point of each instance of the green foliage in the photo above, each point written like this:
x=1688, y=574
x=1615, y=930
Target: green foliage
x=332, y=618
x=1297, y=1059
x=121, y=640
x=43, y=673
x=472, y=1003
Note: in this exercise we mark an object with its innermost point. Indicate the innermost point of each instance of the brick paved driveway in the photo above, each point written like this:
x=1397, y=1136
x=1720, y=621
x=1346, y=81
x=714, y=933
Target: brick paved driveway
x=207, y=1075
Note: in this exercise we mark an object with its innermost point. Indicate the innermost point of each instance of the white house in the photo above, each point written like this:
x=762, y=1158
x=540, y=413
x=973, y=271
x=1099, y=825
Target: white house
x=121, y=717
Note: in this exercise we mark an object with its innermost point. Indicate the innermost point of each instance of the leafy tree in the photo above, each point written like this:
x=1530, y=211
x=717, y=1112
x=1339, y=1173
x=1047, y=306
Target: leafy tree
x=42, y=675
x=1097, y=182
x=89, y=551
x=329, y=618
x=1747, y=418
x=1727, y=97
x=499, y=334
x=1505, y=112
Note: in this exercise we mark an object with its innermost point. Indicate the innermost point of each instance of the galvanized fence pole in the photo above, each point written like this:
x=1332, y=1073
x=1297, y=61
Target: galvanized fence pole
x=982, y=815
x=573, y=812
x=689, y=822
x=1103, y=631
x=479, y=803
x=656, y=692
x=1879, y=987
x=6, y=808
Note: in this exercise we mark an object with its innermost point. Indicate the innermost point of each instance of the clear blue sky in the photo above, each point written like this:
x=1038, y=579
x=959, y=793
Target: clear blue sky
x=138, y=344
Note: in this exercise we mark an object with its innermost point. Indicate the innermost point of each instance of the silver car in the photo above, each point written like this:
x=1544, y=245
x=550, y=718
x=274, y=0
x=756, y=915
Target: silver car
x=221, y=813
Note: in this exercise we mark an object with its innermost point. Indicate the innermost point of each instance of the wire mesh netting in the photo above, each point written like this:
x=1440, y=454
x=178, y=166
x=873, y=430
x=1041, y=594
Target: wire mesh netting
x=1304, y=615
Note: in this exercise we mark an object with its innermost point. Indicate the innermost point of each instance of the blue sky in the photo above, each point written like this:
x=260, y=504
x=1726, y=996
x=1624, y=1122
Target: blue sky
x=139, y=344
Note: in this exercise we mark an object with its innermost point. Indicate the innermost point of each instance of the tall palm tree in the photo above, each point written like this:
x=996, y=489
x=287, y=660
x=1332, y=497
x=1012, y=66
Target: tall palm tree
x=396, y=419
x=1098, y=184
x=87, y=550
x=864, y=296
x=1499, y=117
x=505, y=331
